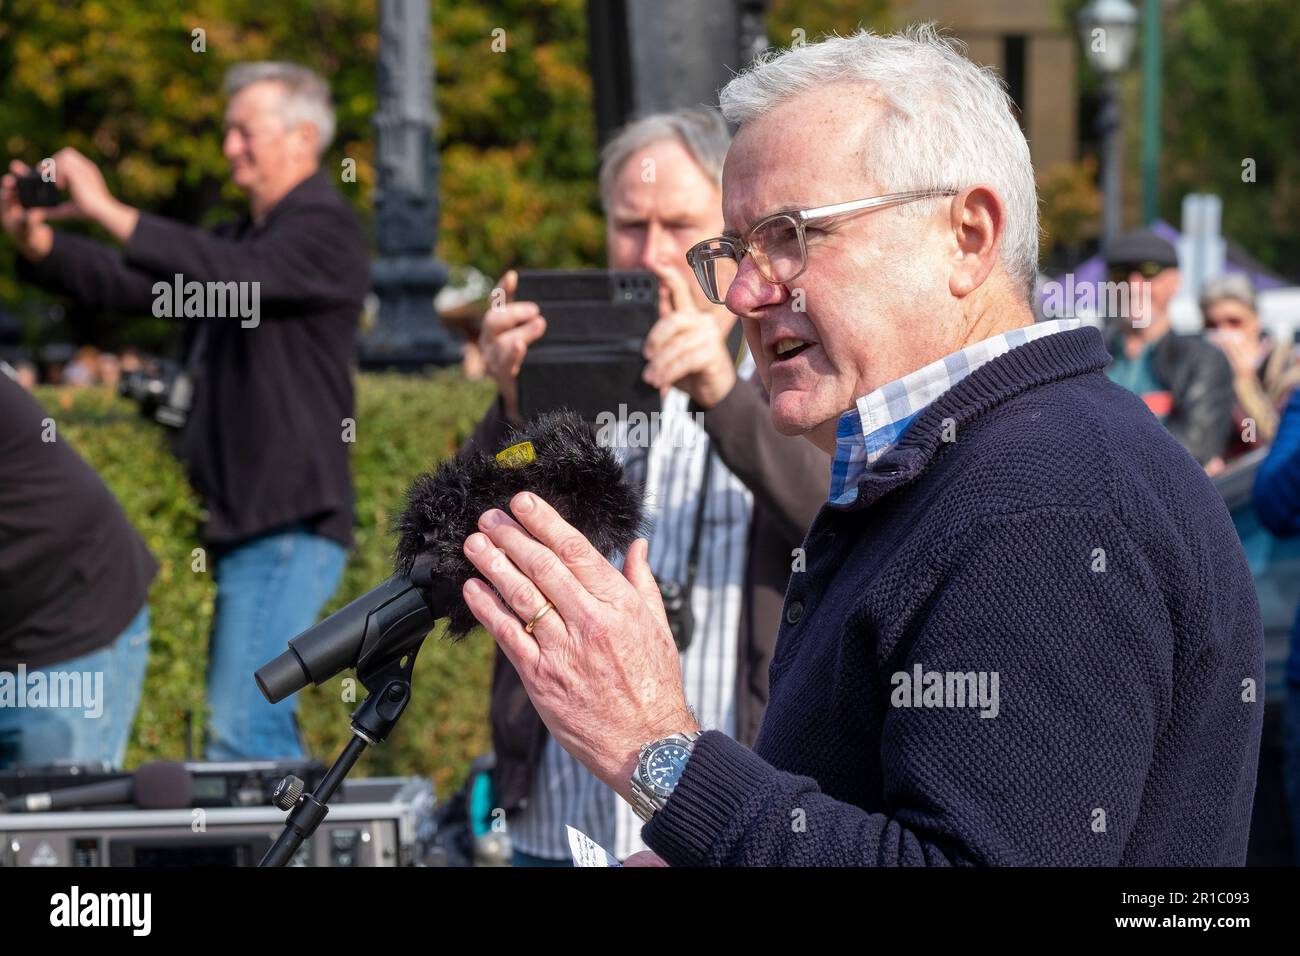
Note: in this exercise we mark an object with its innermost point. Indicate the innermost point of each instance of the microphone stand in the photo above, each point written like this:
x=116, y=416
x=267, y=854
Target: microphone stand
x=389, y=685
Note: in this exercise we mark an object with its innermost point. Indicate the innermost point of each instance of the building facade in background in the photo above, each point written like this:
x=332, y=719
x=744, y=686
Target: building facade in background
x=1033, y=49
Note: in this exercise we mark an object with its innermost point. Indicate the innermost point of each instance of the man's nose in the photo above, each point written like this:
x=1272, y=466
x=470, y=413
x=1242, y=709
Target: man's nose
x=654, y=250
x=750, y=292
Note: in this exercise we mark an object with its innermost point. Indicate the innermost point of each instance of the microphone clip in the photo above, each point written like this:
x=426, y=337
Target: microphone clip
x=389, y=684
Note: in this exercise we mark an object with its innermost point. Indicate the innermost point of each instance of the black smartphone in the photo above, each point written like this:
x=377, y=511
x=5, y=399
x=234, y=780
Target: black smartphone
x=589, y=359
x=35, y=192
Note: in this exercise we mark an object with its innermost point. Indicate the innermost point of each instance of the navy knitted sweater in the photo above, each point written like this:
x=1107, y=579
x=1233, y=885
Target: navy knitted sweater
x=1036, y=642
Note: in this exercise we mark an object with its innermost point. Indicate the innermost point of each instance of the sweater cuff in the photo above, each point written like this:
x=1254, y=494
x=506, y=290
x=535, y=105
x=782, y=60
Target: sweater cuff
x=147, y=245
x=720, y=778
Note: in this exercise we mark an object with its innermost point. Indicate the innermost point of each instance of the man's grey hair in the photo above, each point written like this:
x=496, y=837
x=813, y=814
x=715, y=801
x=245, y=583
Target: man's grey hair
x=306, y=95
x=950, y=122
x=702, y=131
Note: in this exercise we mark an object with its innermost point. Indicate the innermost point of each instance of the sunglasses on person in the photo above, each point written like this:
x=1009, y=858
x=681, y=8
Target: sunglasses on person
x=1120, y=271
x=1231, y=321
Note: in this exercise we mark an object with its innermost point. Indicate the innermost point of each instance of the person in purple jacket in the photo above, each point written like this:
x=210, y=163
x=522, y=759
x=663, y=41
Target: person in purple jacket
x=1026, y=633
x=1277, y=502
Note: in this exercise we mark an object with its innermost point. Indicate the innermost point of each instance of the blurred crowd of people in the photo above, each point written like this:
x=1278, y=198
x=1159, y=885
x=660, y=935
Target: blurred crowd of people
x=1220, y=392
x=88, y=367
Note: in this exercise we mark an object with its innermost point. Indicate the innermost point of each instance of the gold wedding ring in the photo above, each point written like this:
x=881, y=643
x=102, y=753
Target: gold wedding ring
x=528, y=628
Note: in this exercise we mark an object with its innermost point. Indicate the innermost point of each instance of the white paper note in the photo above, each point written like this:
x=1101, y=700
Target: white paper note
x=587, y=852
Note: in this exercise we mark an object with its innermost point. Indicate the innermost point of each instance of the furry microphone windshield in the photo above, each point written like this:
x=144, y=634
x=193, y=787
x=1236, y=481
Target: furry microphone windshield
x=558, y=458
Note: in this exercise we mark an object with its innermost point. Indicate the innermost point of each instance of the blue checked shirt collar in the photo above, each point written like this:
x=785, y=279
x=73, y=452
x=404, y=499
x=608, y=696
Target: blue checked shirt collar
x=878, y=419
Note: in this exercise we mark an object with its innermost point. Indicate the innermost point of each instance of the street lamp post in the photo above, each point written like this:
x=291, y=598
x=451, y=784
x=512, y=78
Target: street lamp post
x=650, y=56
x=1108, y=30
x=406, y=276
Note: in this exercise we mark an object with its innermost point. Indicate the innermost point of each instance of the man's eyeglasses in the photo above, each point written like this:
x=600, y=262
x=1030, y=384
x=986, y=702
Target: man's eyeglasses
x=778, y=244
x=1122, y=270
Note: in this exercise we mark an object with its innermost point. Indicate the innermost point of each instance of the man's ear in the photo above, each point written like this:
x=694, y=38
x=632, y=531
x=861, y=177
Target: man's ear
x=309, y=136
x=977, y=219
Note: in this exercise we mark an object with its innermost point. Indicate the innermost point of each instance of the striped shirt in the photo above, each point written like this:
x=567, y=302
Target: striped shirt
x=878, y=419
x=671, y=469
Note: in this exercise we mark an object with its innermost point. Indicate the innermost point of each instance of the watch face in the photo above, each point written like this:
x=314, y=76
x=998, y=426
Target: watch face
x=664, y=766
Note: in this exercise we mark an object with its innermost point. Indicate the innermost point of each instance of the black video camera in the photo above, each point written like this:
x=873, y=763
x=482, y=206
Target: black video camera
x=677, y=606
x=164, y=396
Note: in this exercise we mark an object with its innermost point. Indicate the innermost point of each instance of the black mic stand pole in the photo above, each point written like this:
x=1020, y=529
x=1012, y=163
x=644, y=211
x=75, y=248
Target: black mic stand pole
x=372, y=722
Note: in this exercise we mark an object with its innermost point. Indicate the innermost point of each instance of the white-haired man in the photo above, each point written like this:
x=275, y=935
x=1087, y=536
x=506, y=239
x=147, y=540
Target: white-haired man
x=728, y=498
x=1026, y=633
x=271, y=305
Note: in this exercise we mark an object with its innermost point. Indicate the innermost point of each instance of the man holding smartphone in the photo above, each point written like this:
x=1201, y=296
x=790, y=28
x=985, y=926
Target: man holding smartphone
x=263, y=440
x=733, y=493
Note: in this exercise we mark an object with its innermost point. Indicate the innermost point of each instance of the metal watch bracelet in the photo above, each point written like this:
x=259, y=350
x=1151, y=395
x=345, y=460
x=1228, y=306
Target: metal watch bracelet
x=645, y=800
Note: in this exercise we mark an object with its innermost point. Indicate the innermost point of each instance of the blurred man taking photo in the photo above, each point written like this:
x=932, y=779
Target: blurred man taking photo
x=264, y=439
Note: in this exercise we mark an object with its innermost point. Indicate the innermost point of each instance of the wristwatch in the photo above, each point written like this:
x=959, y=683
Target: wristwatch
x=657, y=771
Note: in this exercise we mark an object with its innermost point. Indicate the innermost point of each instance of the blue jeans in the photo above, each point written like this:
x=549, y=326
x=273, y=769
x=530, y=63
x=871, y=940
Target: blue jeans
x=269, y=590
x=95, y=728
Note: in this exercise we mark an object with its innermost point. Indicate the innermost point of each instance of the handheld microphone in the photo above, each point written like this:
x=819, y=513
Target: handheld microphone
x=557, y=457
x=164, y=785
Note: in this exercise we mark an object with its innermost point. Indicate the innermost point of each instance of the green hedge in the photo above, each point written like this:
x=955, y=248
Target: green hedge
x=404, y=426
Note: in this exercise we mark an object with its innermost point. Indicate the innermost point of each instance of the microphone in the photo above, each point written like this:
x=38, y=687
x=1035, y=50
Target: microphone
x=556, y=456
x=164, y=785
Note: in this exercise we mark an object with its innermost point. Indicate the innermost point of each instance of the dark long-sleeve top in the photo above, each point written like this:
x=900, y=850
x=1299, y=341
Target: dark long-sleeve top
x=1064, y=544
x=265, y=442
x=73, y=572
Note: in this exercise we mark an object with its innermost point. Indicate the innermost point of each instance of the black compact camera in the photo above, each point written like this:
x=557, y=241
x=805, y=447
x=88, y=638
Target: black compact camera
x=681, y=619
x=35, y=192
x=163, y=396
